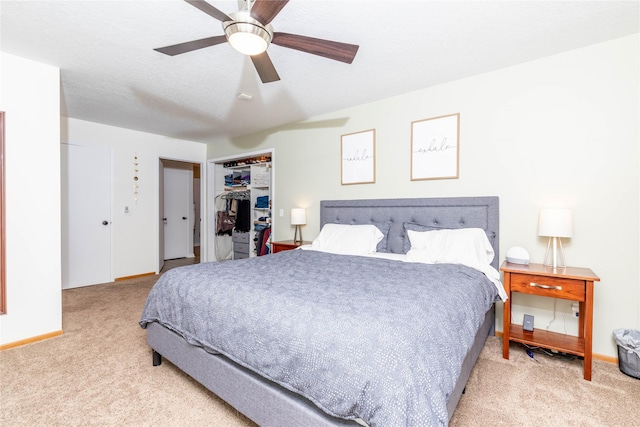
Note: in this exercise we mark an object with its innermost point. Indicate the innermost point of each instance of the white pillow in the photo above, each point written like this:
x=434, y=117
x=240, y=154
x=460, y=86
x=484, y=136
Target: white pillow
x=467, y=246
x=348, y=239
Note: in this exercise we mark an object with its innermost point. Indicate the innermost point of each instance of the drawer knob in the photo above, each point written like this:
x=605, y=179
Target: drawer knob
x=538, y=285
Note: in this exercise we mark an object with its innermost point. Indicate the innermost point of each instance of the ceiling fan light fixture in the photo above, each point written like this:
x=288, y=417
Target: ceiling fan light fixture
x=248, y=38
x=249, y=32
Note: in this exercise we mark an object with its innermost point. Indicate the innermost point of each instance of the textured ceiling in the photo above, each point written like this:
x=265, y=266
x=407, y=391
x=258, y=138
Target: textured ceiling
x=111, y=74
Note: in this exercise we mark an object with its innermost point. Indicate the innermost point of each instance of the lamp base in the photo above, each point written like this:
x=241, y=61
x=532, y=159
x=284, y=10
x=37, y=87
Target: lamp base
x=297, y=236
x=554, y=257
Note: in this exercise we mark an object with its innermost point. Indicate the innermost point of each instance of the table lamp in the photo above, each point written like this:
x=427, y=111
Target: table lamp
x=298, y=218
x=555, y=223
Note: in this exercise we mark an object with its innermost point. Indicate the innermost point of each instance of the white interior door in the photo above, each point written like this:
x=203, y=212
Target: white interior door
x=161, y=214
x=87, y=177
x=178, y=211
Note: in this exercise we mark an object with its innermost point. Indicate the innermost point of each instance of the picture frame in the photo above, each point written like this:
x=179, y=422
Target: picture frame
x=357, y=157
x=435, y=148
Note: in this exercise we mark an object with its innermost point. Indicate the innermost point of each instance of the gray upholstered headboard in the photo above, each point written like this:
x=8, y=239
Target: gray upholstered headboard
x=447, y=212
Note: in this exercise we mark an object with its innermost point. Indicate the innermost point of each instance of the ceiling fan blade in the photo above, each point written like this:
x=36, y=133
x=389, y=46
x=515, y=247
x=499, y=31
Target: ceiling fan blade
x=343, y=52
x=209, y=10
x=179, y=48
x=265, y=10
x=265, y=68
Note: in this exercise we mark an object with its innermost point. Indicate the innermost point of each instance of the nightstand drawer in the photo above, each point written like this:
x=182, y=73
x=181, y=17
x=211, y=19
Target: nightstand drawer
x=548, y=286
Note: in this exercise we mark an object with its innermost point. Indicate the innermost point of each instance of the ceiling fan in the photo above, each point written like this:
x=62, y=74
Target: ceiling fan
x=249, y=31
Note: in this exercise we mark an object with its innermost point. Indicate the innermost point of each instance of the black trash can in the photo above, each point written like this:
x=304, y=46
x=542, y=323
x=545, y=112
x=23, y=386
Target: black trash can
x=628, y=341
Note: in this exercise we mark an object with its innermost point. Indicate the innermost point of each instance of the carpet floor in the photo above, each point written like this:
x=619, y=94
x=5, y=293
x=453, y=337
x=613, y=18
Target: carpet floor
x=99, y=373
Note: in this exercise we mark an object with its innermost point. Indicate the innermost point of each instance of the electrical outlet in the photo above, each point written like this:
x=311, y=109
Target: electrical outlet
x=575, y=308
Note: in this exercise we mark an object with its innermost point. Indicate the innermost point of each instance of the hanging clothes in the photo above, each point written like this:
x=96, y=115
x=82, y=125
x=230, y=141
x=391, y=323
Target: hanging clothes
x=264, y=247
x=224, y=223
x=243, y=216
x=262, y=240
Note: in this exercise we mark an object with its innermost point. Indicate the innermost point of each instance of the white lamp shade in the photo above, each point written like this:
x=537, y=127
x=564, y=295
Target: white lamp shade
x=554, y=222
x=298, y=216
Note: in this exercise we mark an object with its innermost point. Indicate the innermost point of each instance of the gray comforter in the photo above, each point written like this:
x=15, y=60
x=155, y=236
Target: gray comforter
x=365, y=338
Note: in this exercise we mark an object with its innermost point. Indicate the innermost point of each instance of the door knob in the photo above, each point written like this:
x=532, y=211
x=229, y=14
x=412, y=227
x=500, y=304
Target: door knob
x=184, y=217
x=105, y=222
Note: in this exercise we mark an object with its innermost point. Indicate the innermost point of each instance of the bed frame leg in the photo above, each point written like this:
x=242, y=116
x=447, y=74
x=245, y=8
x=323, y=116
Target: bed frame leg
x=157, y=358
x=464, y=390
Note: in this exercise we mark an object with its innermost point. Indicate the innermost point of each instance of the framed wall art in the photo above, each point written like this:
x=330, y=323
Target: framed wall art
x=357, y=153
x=435, y=147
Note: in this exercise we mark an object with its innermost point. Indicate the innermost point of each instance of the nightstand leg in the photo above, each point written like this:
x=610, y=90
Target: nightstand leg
x=588, y=330
x=581, y=316
x=506, y=318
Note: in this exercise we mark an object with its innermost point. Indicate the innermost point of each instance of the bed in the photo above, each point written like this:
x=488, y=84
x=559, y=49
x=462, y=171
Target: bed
x=345, y=363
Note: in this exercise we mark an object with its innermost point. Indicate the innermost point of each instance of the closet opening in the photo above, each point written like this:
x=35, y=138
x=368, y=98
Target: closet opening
x=240, y=192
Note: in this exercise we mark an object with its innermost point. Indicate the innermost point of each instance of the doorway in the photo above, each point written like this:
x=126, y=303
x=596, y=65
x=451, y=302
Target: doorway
x=179, y=208
x=219, y=171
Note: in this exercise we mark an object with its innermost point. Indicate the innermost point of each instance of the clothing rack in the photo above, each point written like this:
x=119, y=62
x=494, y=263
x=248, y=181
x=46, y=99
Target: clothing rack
x=237, y=195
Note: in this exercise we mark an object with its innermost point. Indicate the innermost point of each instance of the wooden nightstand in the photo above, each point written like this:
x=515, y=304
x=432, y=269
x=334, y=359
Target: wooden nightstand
x=570, y=283
x=285, y=245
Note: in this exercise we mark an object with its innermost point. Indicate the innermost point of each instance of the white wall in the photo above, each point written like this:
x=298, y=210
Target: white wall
x=30, y=96
x=560, y=131
x=135, y=234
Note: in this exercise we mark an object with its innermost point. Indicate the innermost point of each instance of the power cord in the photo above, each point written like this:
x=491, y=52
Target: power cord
x=529, y=349
x=530, y=354
x=554, y=313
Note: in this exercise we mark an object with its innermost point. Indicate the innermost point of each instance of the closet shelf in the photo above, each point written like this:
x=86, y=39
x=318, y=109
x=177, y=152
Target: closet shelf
x=248, y=165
